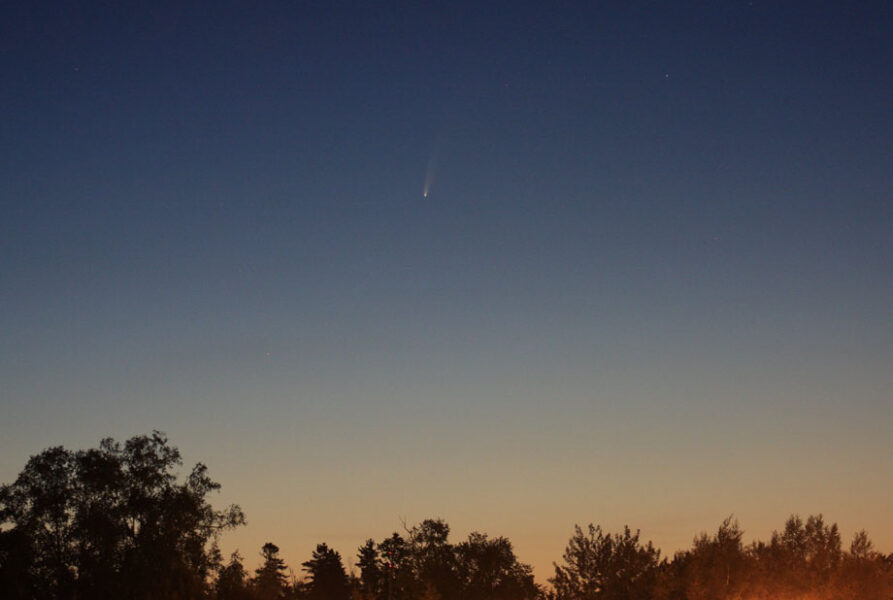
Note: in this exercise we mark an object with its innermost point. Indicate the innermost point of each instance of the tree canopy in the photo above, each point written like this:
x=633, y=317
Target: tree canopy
x=326, y=577
x=118, y=521
x=606, y=566
x=111, y=522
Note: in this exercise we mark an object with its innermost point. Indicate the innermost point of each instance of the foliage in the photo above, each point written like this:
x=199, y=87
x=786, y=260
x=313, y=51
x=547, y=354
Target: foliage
x=600, y=566
x=117, y=522
x=717, y=565
x=803, y=561
x=432, y=560
x=372, y=572
x=488, y=569
x=111, y=522
x=396, y=564
x=426, y=566
x=270, y=582
x=327, y=579
x=232, y=581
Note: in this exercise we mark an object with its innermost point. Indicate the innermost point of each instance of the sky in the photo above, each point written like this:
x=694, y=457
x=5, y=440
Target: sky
x=515, y=265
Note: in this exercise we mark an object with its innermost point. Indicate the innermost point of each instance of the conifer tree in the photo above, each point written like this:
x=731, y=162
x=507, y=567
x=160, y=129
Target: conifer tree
x=327, y=579
x=270, y=582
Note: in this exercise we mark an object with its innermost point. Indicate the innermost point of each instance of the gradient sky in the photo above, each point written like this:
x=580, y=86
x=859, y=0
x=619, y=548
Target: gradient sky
x=652, y=282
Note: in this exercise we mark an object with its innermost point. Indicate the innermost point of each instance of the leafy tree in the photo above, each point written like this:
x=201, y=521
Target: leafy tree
x=671, y=579
x=716, y=567
x=394, y=556
x=805, y=560
x=864, y=574
x=326, y=577
x=802, y=557
x=41, y=505
x=823, y=549
x=433, y=559
x=601, y=566
x=488, y=570
x=113, y=522
x=16, y=558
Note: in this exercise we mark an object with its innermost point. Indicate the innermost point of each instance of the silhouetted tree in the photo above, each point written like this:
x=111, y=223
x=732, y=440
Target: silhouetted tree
x=232, y=580
x=716, y=566
x=326, y=577
x=601, y=566
x=488, y=570
x=395, y=563
x=864, y=574
x=801, y=558
x=113, y=522
x=116, y=522
x=269, y=581
x=16, y=560
x=372, y=574
x=433, y=560
x=671, y=578
x=42, y=507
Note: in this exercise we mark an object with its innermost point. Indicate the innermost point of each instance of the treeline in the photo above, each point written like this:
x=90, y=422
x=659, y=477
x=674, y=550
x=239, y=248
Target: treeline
x=805, y=561
x=420, y=565
x=115, y=522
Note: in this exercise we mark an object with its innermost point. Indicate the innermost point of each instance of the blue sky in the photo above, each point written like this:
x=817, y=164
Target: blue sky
x=651, y=282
